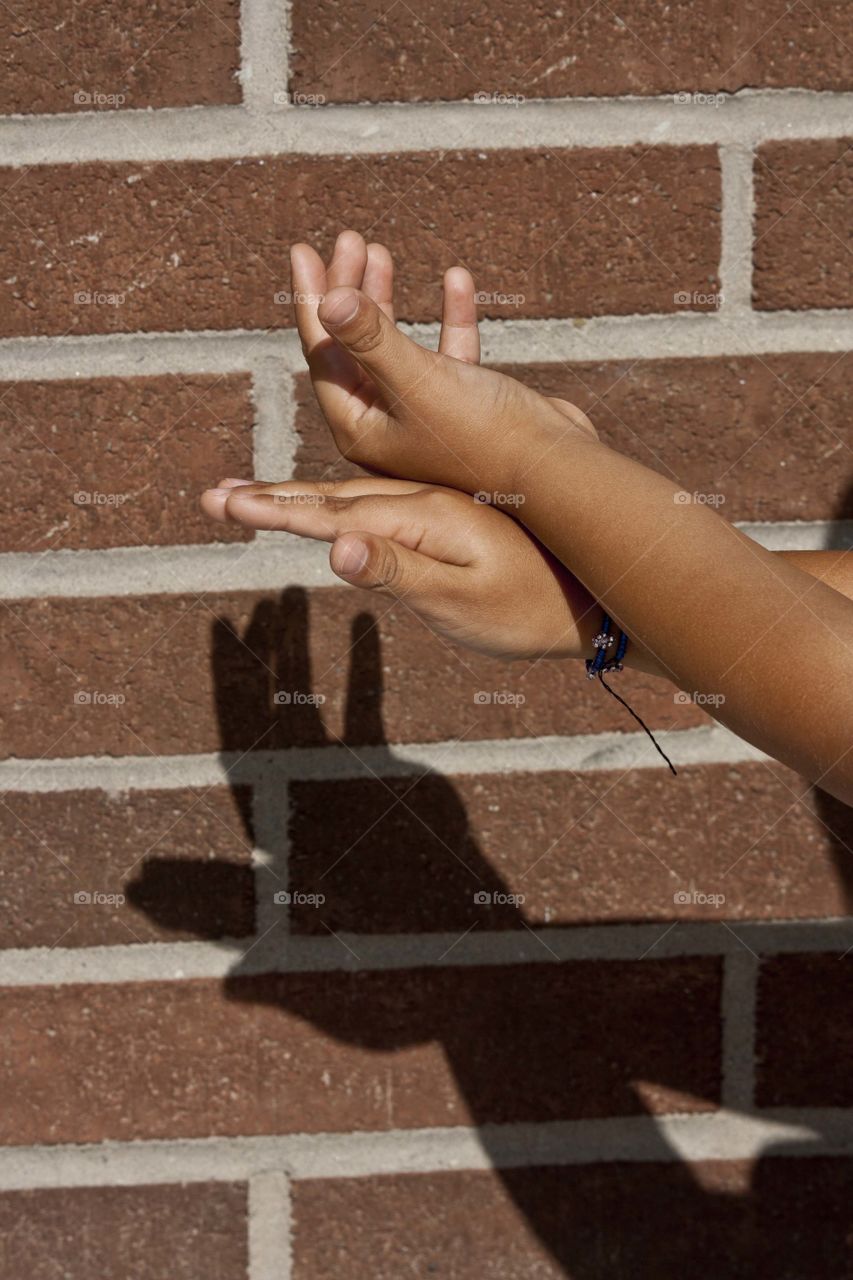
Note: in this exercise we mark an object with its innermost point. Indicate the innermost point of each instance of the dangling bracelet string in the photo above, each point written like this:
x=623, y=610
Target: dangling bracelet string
x=599, y=664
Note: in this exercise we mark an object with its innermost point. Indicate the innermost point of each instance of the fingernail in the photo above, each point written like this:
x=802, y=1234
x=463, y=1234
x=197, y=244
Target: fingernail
x=353, y=557
x=235, y=484
x=219, y=493
x=342, y=309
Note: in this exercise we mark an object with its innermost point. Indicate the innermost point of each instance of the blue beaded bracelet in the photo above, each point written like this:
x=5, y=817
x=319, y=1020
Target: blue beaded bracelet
x=601, y=643
x=598, y=665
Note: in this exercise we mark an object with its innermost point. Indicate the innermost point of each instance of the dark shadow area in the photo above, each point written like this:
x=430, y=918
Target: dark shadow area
x=838, y=817
x=525, y=1043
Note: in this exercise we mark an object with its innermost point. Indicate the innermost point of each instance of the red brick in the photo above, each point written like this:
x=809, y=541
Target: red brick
x=120, y=462
x=395, y=855
x=200, y=673
x=185, y=1232
x=360, y=1051
x=805, y=1030
x=802, y=252
x=775, y=1219
x=756, y=432
x=180, y=859
x=108, y=54
x=368, y=50
x=204, y=245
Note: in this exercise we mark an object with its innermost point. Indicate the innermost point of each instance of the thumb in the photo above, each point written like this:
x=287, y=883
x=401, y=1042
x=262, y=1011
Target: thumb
x=394, y=362
x=367, y=560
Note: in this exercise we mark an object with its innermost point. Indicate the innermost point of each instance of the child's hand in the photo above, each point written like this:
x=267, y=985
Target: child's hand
x=468, y=571
x=394, y=406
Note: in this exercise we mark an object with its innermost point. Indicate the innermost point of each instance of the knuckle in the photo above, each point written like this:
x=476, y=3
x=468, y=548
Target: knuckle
x=438, y=504
x=387, y=568
x=370, y=337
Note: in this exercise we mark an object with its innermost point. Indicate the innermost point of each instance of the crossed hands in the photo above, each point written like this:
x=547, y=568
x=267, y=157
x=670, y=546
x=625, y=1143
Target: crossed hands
x=446, y=429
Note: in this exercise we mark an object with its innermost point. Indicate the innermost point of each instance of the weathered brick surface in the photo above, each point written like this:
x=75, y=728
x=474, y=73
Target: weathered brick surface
x=199, y=673
x=120, y=462
x=753, y=431
x=180, y=860
x=802, y=225
x=204, y=245
x=104, y=55
x=805, y=1030
x=401, y=855
x=361, y=1051
x=185, y=1231
x=774, y=1219
x=371, y=51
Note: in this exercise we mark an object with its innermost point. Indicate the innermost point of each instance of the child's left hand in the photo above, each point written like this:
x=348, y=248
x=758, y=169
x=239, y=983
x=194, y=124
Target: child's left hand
x=471, y=573
x=398, y=408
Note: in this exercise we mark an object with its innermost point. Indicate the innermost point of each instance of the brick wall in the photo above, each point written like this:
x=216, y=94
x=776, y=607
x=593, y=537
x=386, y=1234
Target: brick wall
x=641, y=1069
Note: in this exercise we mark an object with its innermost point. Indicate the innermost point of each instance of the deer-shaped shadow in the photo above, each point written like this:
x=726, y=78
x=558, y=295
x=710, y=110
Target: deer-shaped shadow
x=525, y=1043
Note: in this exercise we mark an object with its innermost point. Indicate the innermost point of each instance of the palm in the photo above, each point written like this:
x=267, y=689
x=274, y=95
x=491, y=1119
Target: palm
x=354, y=403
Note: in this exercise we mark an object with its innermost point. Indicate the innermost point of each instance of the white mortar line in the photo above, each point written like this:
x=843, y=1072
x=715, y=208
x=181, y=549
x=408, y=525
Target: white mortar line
x=264, y=56
x=275, y=437
x=740, y=981
x=736, y=162
x=264, y=564
x=206, y=133
x=721, y=1135
x=269, y=1226
x=633, y=337
x=357, y=952
x=271, y=561
x=580, y=753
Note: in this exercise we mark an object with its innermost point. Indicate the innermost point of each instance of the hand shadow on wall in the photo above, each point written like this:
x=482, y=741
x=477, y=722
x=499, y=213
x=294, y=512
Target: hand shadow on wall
x=507, y=1033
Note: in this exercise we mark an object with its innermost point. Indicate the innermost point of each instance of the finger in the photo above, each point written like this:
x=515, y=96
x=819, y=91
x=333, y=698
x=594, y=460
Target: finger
x=379, y=278
x=459, y=335
x=349, y=259
x=323, y=516
x=396, y=364
x=213, y=500
x=575, y=415
x=378, y=563
x=308, y=278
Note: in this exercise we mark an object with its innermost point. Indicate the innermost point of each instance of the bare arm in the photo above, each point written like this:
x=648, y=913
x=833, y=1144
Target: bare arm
x=717, y=612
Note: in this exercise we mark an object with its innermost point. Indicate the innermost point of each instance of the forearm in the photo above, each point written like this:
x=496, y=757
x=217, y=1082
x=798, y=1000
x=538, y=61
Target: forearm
x=835, y=568
x=714, y=611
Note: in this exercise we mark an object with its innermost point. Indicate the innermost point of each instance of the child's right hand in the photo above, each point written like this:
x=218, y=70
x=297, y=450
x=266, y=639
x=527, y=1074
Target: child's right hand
x=468, y=571
x=398, y=408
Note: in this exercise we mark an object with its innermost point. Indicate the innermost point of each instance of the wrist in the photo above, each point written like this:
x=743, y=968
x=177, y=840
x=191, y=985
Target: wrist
x=549, y=443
